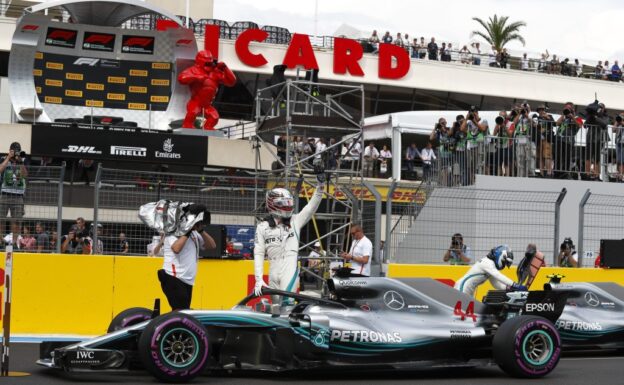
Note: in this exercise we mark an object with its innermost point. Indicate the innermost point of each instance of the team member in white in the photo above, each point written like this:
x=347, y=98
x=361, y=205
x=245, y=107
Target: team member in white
x=489, y=268
x=360, y=252
x=277, y=237
x=177, y=276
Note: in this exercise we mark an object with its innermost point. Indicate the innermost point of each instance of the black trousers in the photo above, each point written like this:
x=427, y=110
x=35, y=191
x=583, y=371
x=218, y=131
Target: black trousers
x=178, y=293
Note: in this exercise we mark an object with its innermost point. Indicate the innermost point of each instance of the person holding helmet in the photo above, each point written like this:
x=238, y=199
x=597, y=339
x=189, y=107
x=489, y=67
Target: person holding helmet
x=489, y=268
x=277, y=237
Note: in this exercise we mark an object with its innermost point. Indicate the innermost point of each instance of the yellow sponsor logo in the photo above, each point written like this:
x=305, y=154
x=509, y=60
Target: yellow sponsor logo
x=95, y=86
x=161, y=66
x=53, y=99
x=94, y=103
x=54, y=66
x=54, y=83
x=138, y=72
x=38, y=90
x=37, y=72
x=159, y=99
x=137, y=106
x=160, y=82
x=117, y=79
x=138, y=90
x=38, y=55
x=112, y=96
x=73, y=93
x=74, y=76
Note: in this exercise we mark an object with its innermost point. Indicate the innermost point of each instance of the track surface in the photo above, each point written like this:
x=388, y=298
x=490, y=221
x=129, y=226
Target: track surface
x=572, y=369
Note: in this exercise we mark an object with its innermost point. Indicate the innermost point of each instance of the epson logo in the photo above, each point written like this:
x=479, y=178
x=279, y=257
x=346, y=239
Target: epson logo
x=540, y=307
x=89, y=61
x=128, y=151
x=81, y=149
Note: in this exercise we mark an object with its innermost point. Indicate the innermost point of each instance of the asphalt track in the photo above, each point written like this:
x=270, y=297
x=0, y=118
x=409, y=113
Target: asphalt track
x=573, y=369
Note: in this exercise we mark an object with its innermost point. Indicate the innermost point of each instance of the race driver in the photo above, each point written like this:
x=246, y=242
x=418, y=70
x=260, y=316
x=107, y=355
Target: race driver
x=277, y=237
x=489, y=268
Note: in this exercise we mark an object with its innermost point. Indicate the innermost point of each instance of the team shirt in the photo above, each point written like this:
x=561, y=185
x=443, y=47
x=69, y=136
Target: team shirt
x=359, y=248
x=183, y=265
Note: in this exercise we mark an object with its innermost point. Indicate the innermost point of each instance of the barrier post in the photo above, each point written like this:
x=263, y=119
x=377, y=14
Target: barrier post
x=59, y=220
x=562, y=195
x=6, y=320
x=581, y=226
x=389, y=196
x=96, y=205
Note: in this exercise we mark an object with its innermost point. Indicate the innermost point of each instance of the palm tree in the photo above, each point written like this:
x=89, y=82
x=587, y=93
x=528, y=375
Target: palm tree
x=498, y=32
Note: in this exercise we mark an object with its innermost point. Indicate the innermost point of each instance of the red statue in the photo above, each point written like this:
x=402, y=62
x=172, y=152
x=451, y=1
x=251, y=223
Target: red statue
x=204, y=79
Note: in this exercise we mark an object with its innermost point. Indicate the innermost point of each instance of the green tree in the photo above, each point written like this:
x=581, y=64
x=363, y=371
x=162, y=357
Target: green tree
x=497, y=32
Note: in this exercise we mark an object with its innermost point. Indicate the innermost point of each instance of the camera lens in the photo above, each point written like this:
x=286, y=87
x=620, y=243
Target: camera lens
x=618, y=119
x=499, y=120
x=566, y=112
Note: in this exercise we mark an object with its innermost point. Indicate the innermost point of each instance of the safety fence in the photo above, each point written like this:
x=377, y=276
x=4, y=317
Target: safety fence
x=600, y=217
x=484, y=218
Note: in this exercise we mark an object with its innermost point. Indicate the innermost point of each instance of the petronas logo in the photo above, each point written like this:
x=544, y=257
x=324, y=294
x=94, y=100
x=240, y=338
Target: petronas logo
x=320, y=339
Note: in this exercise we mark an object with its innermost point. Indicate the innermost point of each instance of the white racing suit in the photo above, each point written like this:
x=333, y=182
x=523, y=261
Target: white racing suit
x=281, y=245
x=479, y=273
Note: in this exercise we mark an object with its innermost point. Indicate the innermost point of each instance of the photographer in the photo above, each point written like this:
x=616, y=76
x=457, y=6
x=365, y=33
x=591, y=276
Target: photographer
x=567, y=127
x=73, y=243
x=545, y=123
x=567, y=254
x=596, y=138
x=442, y=136
x=476, y=131
x=504, y=132
x=618, y=132
x=14, y=174
x=460, y=164
x=458, y=253
x=525, y=148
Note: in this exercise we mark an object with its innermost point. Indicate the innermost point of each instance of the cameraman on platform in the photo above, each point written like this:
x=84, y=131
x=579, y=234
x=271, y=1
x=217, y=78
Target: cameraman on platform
x=458, y=253
x=442, y=136
x=525, y=148
x=13, y=187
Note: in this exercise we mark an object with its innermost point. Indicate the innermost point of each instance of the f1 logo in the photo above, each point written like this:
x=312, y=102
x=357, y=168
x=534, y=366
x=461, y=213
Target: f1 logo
x=89, y=61
x=139, y=41
x=61, y=34
x=183, y=42
x=102, y=39
x=30, y=27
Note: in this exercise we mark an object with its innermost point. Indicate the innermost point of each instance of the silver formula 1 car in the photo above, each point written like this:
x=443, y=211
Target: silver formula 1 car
x=363, y=323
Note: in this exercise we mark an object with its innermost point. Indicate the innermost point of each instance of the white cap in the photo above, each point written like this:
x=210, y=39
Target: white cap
x=317, y=244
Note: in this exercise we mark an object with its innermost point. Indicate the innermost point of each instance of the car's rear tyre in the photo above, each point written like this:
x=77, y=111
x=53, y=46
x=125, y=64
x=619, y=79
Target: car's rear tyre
x=129, y=317
x=527, y=347
x=174, y=347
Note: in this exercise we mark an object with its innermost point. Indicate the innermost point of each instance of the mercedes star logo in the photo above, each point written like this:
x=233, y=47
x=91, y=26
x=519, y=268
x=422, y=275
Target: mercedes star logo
x=592, y=299
x=394, y=300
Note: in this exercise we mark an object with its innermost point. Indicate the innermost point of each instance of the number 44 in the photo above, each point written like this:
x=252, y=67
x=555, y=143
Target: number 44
x=469, y=313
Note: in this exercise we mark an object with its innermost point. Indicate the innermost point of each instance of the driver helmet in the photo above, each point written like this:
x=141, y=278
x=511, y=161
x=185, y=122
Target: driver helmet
x=280, y=203
x=502, y=256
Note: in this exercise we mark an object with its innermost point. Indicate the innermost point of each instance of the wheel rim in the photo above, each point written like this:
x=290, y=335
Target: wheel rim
x=537, y=347
x=179, y=348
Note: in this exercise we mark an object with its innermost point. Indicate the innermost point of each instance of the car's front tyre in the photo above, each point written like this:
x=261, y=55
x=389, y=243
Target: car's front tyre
x=527, y=347
x=174, y=347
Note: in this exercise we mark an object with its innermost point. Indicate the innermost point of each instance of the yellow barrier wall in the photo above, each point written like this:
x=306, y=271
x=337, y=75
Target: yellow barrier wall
x=456, y=272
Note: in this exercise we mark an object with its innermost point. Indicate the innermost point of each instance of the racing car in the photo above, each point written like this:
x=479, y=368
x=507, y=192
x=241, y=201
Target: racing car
x=363, y=323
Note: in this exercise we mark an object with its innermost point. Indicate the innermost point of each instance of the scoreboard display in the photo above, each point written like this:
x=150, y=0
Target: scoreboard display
x=103, y=83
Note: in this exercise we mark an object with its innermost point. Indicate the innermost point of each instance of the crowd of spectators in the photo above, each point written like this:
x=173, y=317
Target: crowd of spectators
x=473, y=54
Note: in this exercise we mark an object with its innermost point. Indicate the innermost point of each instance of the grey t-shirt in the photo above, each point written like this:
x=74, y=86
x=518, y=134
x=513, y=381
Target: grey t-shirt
x=43, y=240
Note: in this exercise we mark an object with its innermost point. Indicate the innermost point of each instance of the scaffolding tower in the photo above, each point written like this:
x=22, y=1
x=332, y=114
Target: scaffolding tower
x=297, y=108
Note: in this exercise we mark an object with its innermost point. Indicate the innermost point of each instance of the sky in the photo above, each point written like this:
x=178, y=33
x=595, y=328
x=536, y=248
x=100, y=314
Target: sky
x=588, y=30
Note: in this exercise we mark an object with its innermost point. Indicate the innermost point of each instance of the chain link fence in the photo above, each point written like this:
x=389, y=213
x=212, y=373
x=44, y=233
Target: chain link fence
x=600, y=217
x=485, y=218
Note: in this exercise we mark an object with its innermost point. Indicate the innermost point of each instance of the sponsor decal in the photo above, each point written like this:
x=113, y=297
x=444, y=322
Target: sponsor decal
x=107, y=63
x=393, y=300
x=85, y=357
x=94, y=103
x=86, y=61
x=365, y=308
x=138, y=73
x=128, y=151
x=161, y=66
x=138, y=90
x=460, y=334
x=114, y=96
x=117, y=79
x=160, y=82
x=53, y=99
x=74, y=76
x=95, y=86
x=30, y=28
x=61, y=37
x=54, y=83
x=38, y=90
x=137, y=106
x=183, y=42
x=54, y=66
x=39, y=55
x=419, y=308
x=98, y=41
x=365, y=336
x=137, y=44
x=320, y=339
x=73, y=93
x=591, y=299
x=168, y=151
x=81, y=149
x=578, y=325
x=607, y=304
x=540, y=307
x=349, y=282
x=159, y=99
x=37, y=72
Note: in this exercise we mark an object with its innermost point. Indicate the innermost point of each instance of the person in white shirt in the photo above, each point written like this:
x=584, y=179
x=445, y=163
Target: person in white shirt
x=371, y=154
x=464, y=55
x=399, y=40
x=385, y=161
x=524, y=62
x=177, y=276
x=321, y=146
x=354, y=149
x=476, y=50
x=428, y=156
x=361, y=253
x=492, y=58
x=155, y=249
